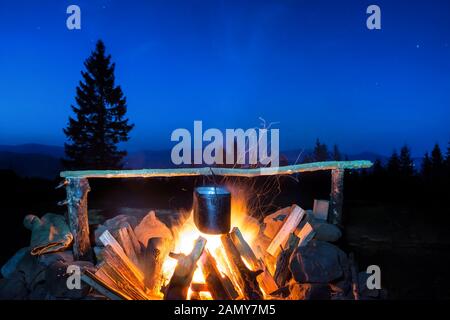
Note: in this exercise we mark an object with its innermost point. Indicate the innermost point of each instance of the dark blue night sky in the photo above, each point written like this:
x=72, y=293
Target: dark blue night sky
x=311, y=66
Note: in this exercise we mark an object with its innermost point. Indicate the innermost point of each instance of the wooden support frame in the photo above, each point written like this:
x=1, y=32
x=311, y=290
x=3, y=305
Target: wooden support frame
x=77, y=188
x=336, y=196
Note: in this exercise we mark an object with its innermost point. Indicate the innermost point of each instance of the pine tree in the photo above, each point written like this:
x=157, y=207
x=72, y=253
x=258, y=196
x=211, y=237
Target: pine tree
x=99, y=123
x=406, y=163
x=320, y=152
x=447, y=158
x=437, y=161
x=336, y=153
x=426, y=167
x=378, y=169
x=393, y=166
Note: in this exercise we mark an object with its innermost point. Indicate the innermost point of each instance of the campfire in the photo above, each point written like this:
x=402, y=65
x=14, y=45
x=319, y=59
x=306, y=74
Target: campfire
x=218, y=250
x=192, y=265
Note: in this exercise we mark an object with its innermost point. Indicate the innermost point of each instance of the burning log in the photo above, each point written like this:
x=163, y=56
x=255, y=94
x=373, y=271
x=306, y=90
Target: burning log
x=302, y=235
x=246, y=278
x=290, y=224
x=155, y=254
x=282, y=272
x=265, y=279
x=213, y=277
x=178, y=286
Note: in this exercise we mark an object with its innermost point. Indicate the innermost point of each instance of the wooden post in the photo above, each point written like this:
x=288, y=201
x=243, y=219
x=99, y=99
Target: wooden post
x=77, y=190
x=336, y=196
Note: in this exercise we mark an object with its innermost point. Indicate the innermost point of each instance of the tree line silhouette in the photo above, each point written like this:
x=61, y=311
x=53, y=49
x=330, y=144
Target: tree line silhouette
x=398, y=180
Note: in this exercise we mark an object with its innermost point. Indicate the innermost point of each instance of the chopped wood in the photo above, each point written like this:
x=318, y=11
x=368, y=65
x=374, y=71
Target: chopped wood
x=199, y=287
x=290, y=224
x=213, y=277
x=265, y=279
x=246, y=277
x=101, y=287
x=282, y=272
x=180, y=282
x=107, y=239
x=125, y=242
x=320, y=209
x=156, y=253
x=305, y=232
x=118, y=272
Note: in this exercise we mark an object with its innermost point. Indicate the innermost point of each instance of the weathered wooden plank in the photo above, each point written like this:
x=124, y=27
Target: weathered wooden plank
x=77, y=190
x=207, y=171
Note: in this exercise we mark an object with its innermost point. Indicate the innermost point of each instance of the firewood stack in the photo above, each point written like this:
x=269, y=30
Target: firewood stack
x=131, y=270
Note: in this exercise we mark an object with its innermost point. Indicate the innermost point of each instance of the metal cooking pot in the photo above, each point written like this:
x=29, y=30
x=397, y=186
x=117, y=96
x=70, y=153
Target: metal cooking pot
x=212, y=209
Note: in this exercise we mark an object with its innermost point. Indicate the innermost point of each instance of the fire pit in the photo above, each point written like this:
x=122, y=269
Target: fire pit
x=218, y=252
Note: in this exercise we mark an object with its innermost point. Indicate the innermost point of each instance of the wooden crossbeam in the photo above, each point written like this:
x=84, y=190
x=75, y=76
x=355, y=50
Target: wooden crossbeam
x=207, y=171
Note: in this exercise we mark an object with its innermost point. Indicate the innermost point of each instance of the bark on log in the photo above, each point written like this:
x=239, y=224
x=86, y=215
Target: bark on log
x=265, y=279
x=336, y=196
x=178, y=286
x=77, y=190
x=290, y=224
x=155, y=254
x=208, y=171
x=246, y=278
x=282, y=272
x=213, y=277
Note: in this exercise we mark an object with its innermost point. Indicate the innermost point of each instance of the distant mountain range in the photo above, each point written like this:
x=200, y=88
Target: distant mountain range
x=43, y=161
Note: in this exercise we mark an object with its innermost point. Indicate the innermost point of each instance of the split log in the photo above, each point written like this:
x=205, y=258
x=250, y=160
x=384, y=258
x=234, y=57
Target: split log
x=282, y=272
x=320, y=209
x=155, y=254
x=126, y=243
x=265, y=279
x=199, y=287
x=290, y=224
x=305, y=232
x=213, y=277
x=246, y=278
x=118, y=272
x=102, y=287
x=107, y=239
x=77, y=190
x=178, y=286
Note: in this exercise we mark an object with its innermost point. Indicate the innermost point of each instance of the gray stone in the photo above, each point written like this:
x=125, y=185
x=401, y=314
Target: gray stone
x=13, y=288
x=319, y=262
x=11, y=265
x=56, y=280
x=309, y=291
x=50, y=258
x=324, y=231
